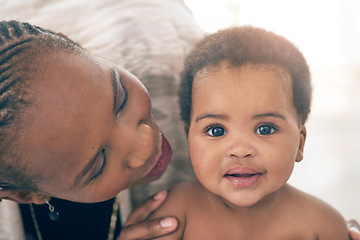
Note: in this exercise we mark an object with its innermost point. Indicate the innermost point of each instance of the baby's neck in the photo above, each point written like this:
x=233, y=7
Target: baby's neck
x=263, y=209
x=219, y=219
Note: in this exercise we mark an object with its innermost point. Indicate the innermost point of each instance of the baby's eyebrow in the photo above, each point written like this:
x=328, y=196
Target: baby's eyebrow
x=215, y=116
x=270, y=114
x=223, y=117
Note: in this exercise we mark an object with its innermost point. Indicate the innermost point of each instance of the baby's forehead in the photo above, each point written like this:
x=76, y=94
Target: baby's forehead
x=248, y=68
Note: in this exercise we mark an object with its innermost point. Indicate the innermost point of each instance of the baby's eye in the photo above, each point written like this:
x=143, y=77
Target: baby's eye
x=266, y=129
x=216, y=131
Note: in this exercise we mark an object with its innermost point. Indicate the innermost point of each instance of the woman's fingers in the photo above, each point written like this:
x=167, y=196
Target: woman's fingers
x=354, y=229
x=138, y=228
x=144, y=210
x=148, y=229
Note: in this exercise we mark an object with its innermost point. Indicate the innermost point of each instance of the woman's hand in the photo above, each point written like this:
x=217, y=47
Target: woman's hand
x=137, y=227
x=354, y=229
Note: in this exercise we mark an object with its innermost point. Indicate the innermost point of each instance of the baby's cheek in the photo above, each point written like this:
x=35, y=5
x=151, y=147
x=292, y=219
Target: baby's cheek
x=282, y=171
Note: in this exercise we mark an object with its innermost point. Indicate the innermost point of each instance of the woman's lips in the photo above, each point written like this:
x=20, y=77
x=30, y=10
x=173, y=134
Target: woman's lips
x=163, y=160
x=243, y=177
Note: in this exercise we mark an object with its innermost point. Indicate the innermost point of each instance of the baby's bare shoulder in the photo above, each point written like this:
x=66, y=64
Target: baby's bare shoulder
x=183, y=195
x=181, y=198
x=187, y=188
x=315, y=213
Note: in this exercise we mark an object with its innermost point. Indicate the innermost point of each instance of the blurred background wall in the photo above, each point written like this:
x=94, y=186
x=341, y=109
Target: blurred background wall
x=328, y=34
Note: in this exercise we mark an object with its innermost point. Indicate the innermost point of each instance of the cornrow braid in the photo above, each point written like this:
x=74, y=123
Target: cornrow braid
x=14, y=39
x=21, y=44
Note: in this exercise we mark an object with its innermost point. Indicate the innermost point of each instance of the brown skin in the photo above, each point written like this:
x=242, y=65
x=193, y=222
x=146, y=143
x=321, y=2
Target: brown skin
x=243, y=122
x=73, y=119
x=301, y=221
x=137, y=226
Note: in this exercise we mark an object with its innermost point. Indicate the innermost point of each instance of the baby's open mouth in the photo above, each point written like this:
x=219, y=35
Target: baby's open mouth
x=242, y=175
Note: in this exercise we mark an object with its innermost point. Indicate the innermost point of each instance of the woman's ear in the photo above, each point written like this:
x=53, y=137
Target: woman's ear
x=300, y=155
x=23, y=196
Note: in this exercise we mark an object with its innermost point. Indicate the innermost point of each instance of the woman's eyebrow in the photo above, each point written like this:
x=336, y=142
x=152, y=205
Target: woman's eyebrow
x=86, y=169
x=115, y=87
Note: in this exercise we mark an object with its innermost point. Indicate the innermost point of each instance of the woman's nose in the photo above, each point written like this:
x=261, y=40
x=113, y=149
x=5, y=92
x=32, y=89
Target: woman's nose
x=143, y=146
x=142, y=120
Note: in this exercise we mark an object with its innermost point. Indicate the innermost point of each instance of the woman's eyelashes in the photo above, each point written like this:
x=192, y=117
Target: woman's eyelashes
x=120, y=92
x=121, y=95
x=99, y=165
x=122, y=101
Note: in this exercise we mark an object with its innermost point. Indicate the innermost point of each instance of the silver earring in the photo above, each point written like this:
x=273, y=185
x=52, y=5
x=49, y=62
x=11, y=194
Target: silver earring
x=54, y=216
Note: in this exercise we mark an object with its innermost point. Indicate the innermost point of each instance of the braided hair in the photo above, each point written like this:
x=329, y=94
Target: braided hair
x=22, y=46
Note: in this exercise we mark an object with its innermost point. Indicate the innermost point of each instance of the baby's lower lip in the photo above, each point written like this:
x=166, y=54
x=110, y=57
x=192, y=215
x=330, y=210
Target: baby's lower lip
x=163, y=160
x=243, y=180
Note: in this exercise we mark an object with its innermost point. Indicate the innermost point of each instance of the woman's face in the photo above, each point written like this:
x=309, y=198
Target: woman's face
x=90, y=132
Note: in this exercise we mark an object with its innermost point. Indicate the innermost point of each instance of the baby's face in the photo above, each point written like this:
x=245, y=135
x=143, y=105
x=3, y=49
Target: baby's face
x=244, y=134
x=90, y=132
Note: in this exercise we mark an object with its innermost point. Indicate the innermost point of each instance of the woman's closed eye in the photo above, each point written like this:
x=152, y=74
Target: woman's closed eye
x=123, y=101
x=120, y=93
x=99, y=165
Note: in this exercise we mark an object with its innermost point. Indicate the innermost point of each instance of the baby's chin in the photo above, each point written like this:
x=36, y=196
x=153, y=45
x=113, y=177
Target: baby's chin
x=238, y=203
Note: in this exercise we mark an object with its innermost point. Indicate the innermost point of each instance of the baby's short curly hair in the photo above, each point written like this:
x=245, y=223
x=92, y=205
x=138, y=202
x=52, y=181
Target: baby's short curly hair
x=242, y=45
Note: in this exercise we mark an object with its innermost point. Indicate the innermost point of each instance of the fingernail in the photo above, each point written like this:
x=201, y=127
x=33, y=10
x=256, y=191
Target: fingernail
x=159, y=195
x=355, y=229
x=167, y=222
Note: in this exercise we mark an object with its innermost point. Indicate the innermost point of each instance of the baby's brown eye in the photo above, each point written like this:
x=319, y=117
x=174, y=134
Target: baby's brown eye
x=266, y=130
x=216, y=131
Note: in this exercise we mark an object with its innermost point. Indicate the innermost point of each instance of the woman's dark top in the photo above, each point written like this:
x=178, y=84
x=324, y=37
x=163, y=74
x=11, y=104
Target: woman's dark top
x=76, y=220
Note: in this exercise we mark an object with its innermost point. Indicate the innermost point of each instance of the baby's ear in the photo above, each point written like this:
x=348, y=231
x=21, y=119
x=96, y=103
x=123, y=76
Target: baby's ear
x=300, y=155
x=23, y=196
